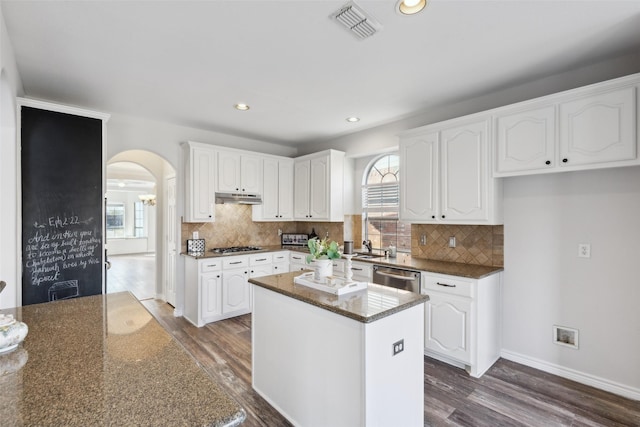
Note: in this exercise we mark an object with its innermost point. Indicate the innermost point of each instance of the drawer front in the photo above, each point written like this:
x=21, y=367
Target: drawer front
x=208, y=265
x=298, y=258
x=280, y=256
x=338, y=266
x=260, y=259
x=280, y=267
x=448, y=285
x=235, y=262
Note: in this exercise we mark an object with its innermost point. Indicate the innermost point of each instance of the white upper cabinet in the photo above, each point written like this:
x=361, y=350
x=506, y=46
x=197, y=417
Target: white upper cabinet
x=587, y=128
x=419, y=177
x=445, y=174
x=200, y=177
x=464, y=160
x=239, y=172
x=277, y=195
x=598, y=128
x=526, y=140
x=319, y=187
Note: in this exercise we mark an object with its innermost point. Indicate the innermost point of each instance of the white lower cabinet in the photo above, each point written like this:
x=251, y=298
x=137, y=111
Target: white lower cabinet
x=216, y=289
x=235, y=291
x=298, y=262
x=362, y=271
x=462, y=320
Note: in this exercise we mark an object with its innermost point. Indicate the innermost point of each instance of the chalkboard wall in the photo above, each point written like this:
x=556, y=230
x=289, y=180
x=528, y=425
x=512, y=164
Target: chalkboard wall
x=62, y=202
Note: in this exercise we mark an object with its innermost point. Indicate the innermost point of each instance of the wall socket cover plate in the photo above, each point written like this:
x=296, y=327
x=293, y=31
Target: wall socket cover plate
x=584, y=250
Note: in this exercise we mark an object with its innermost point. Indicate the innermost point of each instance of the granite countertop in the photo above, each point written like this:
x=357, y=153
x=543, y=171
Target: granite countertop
x=104, y=360
x=374, y=303
x=472, y=271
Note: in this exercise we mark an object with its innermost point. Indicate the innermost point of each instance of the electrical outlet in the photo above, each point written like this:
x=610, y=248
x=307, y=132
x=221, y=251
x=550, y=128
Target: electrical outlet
x=398, y=347
x=195, y=234
x=584, y=250
x=279, y=232
x=452, y=241
x=423, y=240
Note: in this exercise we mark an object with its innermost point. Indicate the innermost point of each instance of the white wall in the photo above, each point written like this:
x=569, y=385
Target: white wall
x=10, y=87
x=384, y=137
x=546, y=284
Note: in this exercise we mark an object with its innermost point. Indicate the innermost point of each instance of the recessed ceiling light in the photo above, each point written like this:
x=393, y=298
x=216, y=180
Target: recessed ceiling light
x=241, y=107
x=352, y=119
x=410, y=7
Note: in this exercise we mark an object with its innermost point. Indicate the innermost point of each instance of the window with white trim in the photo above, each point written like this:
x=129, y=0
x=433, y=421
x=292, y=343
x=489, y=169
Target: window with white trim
x=381, y=205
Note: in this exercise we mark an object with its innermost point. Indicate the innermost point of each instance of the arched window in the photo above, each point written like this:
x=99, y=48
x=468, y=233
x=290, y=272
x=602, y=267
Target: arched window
x=381, y=205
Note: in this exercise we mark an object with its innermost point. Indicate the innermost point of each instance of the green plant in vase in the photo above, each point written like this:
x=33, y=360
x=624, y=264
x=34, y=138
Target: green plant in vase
x=322, y=249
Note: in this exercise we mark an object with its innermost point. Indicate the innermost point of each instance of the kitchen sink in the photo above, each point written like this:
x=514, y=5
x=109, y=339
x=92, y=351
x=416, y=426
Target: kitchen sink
x=366, y=255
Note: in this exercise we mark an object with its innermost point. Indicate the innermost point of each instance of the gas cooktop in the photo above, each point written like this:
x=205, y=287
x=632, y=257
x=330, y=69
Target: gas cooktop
x=235, y=249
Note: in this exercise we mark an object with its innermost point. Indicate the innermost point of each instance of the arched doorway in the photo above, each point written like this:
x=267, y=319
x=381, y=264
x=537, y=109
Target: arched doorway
x=141, y=230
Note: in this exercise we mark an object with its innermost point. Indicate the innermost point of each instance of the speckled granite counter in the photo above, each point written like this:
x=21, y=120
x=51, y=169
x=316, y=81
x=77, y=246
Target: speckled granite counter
x=104, y=360
x=472, y=271
x=374, y=303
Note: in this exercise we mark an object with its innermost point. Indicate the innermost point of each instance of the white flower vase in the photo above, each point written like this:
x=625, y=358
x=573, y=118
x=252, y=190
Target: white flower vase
x=323, y=268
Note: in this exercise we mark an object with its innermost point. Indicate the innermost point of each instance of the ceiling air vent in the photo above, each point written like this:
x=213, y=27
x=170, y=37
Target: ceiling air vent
x=356, y=21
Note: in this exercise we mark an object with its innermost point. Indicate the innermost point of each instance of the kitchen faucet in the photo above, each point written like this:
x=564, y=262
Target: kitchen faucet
x=367, y=244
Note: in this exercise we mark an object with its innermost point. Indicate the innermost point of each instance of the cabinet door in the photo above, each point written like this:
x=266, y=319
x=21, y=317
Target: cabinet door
x=210, y=295
x=228, y=171
x=235, y=290
x=419, y=178
x=285, y=190
x=526, y=140
x=270, y=191
x=319, y=189
x=251, y=174
x=447, y=326
x=464, y=175
x=599, y=128
x=261, y=270
x=202, y=185
x=301, y=173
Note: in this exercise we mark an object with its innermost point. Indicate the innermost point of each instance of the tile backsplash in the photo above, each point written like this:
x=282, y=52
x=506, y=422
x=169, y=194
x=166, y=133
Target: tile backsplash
x=234, y=227
x=475, y=244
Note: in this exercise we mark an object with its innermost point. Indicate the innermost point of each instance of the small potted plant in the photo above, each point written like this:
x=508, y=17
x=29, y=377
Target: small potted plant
x=321, y=252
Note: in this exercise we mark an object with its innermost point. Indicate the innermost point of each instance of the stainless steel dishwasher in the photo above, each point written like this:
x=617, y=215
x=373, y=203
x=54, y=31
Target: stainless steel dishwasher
x=394, y=277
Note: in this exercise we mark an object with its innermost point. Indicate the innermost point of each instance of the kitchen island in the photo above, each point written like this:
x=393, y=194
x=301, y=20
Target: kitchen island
x=350, y=360
x=104, y=360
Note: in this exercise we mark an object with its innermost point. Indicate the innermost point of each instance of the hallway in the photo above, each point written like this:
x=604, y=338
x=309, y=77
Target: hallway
x=134, y=273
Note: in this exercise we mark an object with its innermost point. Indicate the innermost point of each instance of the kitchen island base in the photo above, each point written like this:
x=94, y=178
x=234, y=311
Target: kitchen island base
x=320, y=368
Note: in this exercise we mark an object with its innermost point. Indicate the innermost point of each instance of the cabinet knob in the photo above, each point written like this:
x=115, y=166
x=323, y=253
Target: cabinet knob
x=548, y=162
x=218, y=276
x=209, y=216
x=433, y=217
x=565, y=160
x=442, y=216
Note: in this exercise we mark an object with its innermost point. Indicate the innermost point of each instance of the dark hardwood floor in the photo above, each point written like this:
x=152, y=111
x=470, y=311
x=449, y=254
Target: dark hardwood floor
x=509, y=394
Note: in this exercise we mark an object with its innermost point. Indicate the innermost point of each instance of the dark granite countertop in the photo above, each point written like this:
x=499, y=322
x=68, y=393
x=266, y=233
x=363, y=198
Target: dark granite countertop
x=374, y=303
x=472, y=271
x=104, y=360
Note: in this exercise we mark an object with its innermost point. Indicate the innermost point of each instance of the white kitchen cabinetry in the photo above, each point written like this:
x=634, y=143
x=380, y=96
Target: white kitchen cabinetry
x=277, y=194
x=362, y=271
x=298, y=261
x=239, y=172
x=216, y=288
x=260, y=265
x=445, y=174
x=319, y=187
x=281, y=262
x=200, y=182
x=587, y=128
x=462, y=320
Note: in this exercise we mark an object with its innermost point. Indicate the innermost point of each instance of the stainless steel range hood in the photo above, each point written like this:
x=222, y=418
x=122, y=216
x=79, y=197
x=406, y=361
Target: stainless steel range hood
x=238, y=198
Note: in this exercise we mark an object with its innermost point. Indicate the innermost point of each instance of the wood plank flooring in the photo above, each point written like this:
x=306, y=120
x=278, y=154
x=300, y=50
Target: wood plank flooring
x=134, y=273
x=509, y=394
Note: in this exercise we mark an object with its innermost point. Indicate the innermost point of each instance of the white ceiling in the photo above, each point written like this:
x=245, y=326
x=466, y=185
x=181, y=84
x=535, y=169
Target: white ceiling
x=189, y=62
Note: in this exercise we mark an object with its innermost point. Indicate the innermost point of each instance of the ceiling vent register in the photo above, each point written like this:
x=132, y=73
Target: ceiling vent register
x=357, y=21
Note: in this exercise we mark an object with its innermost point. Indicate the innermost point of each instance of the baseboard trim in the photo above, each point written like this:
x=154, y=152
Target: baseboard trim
x=581, y=377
